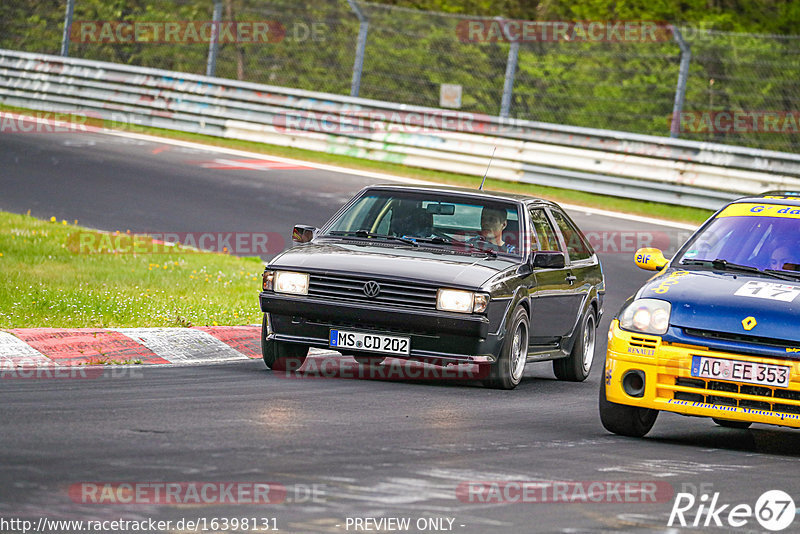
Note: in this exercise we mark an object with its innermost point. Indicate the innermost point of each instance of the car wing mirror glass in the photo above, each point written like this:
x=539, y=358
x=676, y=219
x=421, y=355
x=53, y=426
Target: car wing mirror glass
x=650, y=259
x=548, y=259
x=303, y=233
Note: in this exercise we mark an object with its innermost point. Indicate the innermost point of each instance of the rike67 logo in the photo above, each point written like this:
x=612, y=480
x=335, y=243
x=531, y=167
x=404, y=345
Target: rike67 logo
x=774, y=510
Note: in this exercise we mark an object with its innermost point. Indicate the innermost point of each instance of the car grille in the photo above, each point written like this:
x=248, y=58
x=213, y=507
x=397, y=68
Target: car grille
x=392, y=292
x=643, y=342
x=739, y=338
x=750, y=396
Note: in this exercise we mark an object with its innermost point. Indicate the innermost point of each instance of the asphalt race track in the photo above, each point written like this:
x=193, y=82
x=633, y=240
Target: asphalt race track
x=340, y=447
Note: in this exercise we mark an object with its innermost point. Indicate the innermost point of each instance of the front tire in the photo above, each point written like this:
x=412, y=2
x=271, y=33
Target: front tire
x=625, y=420
x=281, y=356
x=741, y=425
x=577, y=366
x=506, y=372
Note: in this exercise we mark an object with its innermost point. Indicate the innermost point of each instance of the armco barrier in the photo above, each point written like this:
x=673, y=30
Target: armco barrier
x=601, y=161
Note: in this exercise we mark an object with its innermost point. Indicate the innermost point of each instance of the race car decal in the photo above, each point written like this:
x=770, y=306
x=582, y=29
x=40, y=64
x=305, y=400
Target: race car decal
x=768, y=290
x=748, y=323
x=609, y=371
x=783, y=197
x=735, y=409
x=670, y=280
x=761, y=210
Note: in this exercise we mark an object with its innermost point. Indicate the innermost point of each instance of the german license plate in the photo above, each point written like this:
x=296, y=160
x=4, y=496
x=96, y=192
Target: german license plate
x=345, y=339
x=739, y=371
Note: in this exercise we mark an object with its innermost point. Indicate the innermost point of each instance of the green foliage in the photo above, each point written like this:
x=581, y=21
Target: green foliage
x=47, y=281
x=627, y=86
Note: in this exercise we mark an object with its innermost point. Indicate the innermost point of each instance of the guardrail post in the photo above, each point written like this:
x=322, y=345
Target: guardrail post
x=361, y=45
x=511, y=70
x=213, y=46
x=67, y=28
x=683, y=77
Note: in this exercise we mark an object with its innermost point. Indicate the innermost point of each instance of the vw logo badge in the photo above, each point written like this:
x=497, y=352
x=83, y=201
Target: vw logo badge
x=372, y=289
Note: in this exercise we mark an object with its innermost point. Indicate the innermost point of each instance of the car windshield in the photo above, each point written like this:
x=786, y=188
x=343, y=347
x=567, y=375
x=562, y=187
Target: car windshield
x=758, y=236
x=431, y=218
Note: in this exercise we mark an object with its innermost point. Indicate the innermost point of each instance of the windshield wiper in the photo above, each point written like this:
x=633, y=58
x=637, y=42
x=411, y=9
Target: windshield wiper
x=725, y=265
x=365, y=234
x=790, y=275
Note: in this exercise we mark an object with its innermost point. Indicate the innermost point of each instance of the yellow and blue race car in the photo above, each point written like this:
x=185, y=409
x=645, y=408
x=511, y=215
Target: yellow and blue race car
x=716, y=333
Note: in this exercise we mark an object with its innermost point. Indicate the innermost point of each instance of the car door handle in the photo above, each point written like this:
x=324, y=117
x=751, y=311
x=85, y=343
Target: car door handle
x=571, y=278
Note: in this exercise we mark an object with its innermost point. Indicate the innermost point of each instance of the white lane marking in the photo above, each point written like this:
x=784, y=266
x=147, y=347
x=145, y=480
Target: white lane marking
x=182, y=345
x=345, y=170
x=16, y=353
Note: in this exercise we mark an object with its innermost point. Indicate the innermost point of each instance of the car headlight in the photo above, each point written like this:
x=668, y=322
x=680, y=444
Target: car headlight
x=457, y=300
x=648, y=316
x=290, y=282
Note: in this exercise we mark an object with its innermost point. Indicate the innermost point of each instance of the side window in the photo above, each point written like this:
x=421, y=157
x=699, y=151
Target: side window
x=543, y=232
x=577, y=246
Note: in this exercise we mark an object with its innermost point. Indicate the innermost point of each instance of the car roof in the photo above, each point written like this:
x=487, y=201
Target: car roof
x=790, y=198
x=499, y=195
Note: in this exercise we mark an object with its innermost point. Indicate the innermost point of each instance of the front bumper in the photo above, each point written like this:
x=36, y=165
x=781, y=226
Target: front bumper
x=435, y=335
x=669, y=385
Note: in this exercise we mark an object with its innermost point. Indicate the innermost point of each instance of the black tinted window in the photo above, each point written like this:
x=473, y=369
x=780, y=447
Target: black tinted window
x=577, y=246
x=544, y=237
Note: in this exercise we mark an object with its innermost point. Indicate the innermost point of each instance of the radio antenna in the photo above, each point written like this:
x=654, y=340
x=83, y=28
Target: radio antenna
x=487, y=169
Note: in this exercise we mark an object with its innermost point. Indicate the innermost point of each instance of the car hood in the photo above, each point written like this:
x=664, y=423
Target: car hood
x=721, y=301
x=437, y=267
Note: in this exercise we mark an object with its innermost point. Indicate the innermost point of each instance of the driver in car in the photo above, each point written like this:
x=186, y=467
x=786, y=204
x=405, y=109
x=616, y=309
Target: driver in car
x=493, y=222
x=782, y=259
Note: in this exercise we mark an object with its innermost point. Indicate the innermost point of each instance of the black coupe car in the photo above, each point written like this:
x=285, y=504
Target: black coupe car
x=438, y=274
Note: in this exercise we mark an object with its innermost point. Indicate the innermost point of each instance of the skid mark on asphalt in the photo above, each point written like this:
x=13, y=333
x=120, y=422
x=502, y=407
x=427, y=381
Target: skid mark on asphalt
x=671, y=468
x=504, y=446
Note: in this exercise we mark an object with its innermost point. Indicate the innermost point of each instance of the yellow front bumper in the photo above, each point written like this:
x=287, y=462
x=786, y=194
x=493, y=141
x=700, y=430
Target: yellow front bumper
x=669, y=385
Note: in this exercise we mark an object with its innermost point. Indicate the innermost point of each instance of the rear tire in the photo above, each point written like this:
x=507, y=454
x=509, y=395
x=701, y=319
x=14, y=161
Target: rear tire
x=577, y=366
x=281, y=356
x=625, y=420
x=741, y=425
x=506, y=372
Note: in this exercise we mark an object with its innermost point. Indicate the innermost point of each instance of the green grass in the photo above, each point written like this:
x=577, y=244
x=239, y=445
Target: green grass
x=625, y=205
x=47, y=281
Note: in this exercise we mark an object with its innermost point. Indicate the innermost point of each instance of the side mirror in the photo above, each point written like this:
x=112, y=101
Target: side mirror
x=302, y=233
x=548, y=259
x=650, y=259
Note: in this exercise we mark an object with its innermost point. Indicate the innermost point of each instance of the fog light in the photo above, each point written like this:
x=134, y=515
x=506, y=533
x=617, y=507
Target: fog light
x=633, y=383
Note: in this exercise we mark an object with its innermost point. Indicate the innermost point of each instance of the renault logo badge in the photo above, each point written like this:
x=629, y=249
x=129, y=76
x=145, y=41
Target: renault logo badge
x=372, y=289
x=749, y=323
